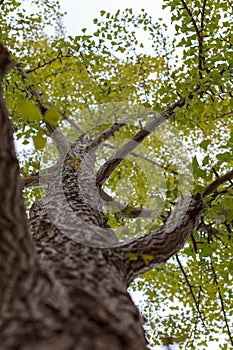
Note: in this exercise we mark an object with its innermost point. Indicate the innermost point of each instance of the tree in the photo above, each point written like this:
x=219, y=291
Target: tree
x=68, y=255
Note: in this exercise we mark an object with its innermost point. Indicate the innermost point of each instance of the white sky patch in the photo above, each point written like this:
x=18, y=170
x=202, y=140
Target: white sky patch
x=80, y=14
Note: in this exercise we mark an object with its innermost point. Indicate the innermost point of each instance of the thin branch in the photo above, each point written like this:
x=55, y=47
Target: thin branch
x=60, y=140
x=203, y=15
x=137, y=155
x=42, y=65
x=106, y=134
x=199, y=35
x=105, y=171
x=191, y=291
x=71, y=121
x=222, y=303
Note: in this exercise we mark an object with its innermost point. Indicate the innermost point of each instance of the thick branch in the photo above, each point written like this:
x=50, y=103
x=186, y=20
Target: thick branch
x=219, y=181
x=36, y=180
x=154, y=249
x=106, y=170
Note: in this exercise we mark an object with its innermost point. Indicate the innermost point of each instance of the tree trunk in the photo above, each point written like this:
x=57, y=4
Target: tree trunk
x=68, y=289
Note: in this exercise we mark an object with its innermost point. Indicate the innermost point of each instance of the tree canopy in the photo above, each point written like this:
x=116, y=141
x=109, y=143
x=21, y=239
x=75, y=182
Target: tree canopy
x=124, y=72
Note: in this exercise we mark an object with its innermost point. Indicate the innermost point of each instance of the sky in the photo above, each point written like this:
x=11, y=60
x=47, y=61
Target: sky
x=80, y=14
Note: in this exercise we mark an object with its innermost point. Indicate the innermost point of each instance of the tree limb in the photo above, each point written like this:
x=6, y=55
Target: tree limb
x=110, y=165
x=215, y=184
x=154, y=249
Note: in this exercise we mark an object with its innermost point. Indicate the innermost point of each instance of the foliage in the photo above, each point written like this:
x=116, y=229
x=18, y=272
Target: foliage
x=101, y=77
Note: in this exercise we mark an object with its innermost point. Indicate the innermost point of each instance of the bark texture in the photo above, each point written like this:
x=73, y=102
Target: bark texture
x=57, y=293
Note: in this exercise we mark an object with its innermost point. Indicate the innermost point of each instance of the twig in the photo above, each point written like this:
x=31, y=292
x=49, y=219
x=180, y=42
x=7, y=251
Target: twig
x=191, y=291
x=222, y=303
x=199, y=35
x=59, y=57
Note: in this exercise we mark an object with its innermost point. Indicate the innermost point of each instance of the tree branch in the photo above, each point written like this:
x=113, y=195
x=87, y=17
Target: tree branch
x=215, y=184
x=199, y=34
x=137, y=155
x=105, y=171
x=191, y=291
x=222, y=303
x=154, y=249
x=34, y=181
x=42, y=65
x=106, y=134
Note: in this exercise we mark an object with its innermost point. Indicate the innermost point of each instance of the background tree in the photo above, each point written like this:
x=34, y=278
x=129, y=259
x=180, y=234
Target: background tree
x=101, y=98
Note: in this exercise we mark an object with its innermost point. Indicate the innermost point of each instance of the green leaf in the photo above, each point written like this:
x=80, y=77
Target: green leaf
x=224, y=157
x=131, y=256
x=28, y=111
x=206, y=250
x=39, y=141
x=204, y=144
x=147, y=258
x=52, y=116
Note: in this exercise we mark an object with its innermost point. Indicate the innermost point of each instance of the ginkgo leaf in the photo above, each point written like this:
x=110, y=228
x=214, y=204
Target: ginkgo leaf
x=28, y=111
x=52, y=116
x=39, y=141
